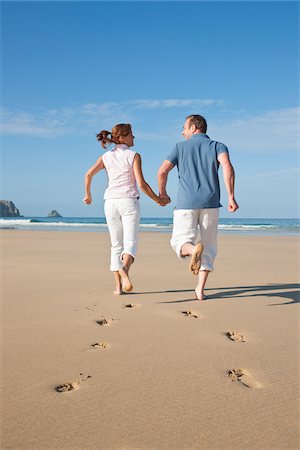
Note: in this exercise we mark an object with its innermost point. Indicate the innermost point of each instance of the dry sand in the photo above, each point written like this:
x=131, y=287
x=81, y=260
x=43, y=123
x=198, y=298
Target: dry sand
x=157, y=378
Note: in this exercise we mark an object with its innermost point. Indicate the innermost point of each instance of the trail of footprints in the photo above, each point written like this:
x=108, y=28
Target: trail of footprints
x=74, y=385
x=240, y=375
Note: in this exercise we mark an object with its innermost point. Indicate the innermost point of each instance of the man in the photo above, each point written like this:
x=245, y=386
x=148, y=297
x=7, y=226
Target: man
x=198, y=199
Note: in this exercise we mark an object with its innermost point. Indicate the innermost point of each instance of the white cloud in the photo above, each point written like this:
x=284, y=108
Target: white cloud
x=271, y=131
x=276, y=174
x=102, y=108
x=82, y=118
x=174, y=103
x=28, y=125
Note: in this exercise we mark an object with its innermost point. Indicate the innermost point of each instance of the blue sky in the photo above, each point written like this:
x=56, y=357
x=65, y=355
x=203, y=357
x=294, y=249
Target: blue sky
x=70, y=69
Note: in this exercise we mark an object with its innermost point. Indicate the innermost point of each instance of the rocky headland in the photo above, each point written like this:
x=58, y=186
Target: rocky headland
x=8, y=209
x=54, y=213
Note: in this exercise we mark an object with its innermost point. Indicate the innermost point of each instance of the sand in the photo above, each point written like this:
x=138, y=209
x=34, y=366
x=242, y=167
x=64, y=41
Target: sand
x=81, y=370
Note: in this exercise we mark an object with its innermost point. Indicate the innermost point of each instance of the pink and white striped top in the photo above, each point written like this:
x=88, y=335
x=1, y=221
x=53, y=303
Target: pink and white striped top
x=118, y=163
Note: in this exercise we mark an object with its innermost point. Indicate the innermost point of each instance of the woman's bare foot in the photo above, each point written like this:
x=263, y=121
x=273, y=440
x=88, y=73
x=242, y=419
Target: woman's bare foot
x=199, y=295
x=195, y=262
x=118, y=292
x=118, y=281
x=126, y=282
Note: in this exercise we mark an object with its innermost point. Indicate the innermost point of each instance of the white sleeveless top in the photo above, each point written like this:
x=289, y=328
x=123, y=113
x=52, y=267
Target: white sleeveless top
x=118, y=163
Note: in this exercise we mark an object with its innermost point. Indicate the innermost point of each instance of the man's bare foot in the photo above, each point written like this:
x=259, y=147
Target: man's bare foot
x=195, y=262
x=199, y=295
x=126, y=283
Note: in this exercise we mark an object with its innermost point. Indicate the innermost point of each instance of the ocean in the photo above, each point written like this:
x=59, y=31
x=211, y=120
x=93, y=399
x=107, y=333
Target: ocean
x=283, y=227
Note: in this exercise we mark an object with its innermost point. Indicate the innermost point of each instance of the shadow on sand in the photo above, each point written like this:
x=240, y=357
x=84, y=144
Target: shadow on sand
x=269, y=290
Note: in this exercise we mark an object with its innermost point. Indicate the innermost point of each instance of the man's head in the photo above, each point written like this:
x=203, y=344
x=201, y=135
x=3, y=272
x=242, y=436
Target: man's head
x=194, y=124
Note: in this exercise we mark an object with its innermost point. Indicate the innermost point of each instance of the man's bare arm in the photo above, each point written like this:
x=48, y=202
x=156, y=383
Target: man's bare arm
x=162, y=178
x=229, y=178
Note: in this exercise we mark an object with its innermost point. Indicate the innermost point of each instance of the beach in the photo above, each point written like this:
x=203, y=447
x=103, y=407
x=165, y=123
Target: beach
x=161, y=372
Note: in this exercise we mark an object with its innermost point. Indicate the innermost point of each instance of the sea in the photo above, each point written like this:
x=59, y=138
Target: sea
x=280, y=227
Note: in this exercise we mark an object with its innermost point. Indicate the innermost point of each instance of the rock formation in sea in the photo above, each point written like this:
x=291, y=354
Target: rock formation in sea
x=8, y=209
x=54, y=213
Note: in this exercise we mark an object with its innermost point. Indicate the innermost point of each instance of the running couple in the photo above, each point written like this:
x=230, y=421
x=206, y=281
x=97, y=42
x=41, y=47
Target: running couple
x=196, y=215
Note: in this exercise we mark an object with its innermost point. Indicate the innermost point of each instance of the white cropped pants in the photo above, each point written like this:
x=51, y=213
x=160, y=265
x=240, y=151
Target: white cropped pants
x=195, y=225
x=122, y=217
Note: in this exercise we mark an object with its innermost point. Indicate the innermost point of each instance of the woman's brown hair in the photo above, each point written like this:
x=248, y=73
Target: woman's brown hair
x=122, y=129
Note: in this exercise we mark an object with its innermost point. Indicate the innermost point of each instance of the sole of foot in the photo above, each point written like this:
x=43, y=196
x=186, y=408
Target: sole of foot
x=195, y=262
x=126, y=282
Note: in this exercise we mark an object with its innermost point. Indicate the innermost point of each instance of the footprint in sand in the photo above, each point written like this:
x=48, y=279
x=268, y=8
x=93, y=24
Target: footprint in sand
x=67, y=387
x=99, y=345
x=105, y=322
x=244, y=377
x=71, y=386
x=235, y=336
x=190, y=314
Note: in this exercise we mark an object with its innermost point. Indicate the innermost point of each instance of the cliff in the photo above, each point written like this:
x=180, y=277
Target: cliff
x=8, y=209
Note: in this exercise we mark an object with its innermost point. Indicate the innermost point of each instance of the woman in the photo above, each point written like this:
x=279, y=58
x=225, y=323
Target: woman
x=122, y=209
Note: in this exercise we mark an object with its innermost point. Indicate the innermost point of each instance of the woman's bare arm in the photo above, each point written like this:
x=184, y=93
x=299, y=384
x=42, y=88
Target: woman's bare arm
x=138, y=172
x=88, y=179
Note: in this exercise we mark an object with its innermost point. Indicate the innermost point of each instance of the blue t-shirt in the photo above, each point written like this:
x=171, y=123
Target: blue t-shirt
x=197, y=164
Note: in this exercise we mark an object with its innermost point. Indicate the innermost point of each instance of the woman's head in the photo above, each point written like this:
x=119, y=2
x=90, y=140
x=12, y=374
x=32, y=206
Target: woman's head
x=120, y=134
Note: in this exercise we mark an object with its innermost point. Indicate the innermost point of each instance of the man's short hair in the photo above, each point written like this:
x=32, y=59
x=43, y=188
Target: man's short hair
x=198, y=121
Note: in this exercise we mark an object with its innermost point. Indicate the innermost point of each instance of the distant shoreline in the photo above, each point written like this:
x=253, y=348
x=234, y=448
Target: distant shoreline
x=273, y=227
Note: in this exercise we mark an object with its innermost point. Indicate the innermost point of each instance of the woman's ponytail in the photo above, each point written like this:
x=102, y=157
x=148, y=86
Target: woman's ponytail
x=122, y=129
x=103, y=138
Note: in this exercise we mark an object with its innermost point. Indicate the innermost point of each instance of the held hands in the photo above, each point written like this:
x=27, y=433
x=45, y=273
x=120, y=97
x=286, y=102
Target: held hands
x=232, y=205
x=87, y=199
x=163, y=200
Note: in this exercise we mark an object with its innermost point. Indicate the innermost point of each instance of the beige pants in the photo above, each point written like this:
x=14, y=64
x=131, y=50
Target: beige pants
x=195, y=225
